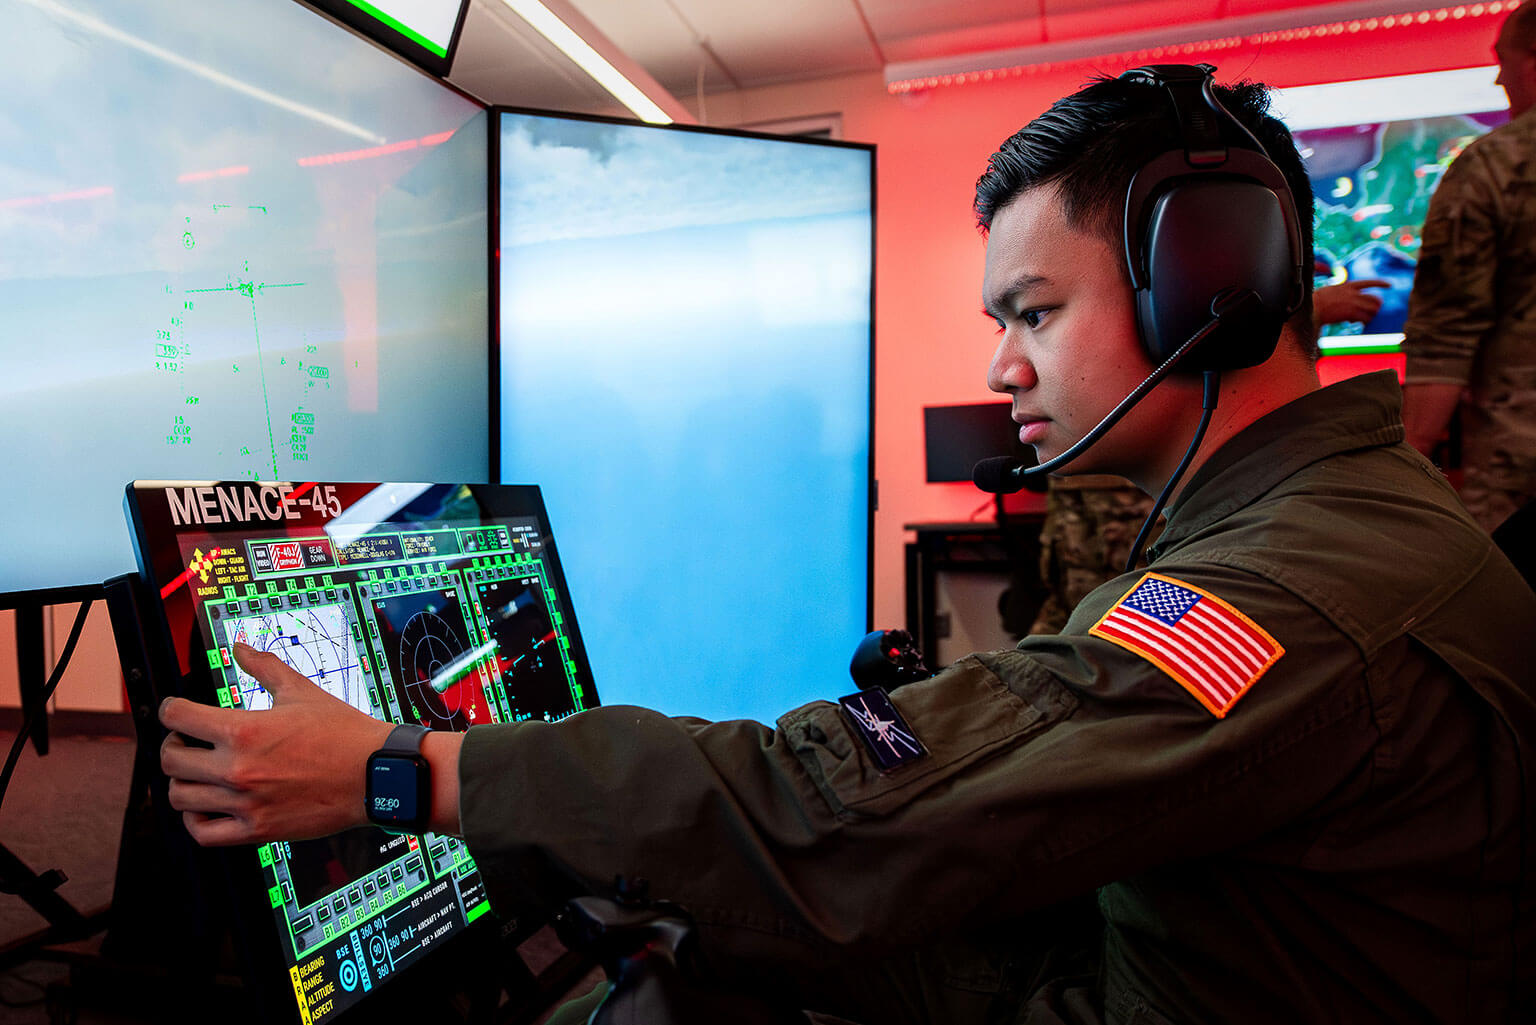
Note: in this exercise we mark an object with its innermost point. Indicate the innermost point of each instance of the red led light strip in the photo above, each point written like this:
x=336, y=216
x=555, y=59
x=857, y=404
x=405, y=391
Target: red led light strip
x=1352, y=26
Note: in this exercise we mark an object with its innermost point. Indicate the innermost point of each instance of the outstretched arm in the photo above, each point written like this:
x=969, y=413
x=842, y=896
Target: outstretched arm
x=1348, y=300
x=290, y=772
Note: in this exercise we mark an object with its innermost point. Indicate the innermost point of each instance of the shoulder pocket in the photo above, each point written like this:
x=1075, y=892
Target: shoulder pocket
x=963, y=715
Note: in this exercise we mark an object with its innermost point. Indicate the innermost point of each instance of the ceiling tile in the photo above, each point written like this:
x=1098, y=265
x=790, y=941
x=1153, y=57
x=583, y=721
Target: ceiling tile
x=501, y=60
x=758, y=44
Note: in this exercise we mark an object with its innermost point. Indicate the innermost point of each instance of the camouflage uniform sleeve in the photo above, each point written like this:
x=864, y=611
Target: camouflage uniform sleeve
x=1452, y=305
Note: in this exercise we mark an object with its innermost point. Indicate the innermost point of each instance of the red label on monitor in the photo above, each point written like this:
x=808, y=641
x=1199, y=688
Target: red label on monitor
x=287, y=556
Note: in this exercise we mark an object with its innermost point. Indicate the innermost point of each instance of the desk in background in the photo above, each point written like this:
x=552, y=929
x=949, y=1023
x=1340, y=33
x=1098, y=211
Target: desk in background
x=1011, y=550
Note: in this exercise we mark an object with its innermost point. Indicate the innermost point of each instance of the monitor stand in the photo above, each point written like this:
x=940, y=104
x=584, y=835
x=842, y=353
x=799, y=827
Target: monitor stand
x=39, y=889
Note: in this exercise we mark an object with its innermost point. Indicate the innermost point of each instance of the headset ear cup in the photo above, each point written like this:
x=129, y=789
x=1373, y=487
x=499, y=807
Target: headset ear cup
x=1209, y=237
x=1208, y=223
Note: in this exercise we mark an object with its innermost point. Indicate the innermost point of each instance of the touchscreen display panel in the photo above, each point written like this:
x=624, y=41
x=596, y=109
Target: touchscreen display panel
x=438, y=604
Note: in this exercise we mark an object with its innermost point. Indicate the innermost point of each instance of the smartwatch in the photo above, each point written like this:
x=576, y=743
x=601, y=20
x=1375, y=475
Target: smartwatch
x=399, y=782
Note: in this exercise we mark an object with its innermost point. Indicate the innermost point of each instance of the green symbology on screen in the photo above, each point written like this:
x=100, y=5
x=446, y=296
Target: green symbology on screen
x=288, y=431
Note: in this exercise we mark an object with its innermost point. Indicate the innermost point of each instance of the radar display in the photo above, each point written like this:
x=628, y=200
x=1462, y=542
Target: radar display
x=528, y=651
x=423, y=635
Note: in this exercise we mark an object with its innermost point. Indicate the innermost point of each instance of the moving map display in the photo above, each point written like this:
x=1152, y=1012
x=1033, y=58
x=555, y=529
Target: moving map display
x=1375, y=149
x=315, y=640
x=443, y=605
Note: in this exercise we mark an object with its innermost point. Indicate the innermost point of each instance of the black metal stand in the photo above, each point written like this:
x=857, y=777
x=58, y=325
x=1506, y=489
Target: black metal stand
x=30, y=675
x=65, y=922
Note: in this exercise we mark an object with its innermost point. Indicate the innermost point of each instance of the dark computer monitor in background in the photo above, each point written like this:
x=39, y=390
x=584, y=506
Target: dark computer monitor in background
x=956, y=438
x=236, y=242
x=685, y=359
x=439, y=604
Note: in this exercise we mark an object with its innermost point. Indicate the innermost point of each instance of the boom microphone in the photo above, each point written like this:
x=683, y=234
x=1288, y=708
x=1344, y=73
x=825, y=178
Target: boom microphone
x=1001, y=475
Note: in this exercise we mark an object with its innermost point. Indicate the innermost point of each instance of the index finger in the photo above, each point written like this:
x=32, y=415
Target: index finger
x=1370, y=283
x=191, y=719
x=268, y=670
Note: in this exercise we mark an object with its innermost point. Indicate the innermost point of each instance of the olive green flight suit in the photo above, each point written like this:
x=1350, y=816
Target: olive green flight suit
x=1351, y=842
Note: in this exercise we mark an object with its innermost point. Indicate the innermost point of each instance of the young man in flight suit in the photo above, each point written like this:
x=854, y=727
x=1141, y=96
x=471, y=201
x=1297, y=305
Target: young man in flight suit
x=1293, y=759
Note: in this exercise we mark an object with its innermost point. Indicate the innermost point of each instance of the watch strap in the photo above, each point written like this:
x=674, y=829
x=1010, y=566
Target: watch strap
x=404, y=739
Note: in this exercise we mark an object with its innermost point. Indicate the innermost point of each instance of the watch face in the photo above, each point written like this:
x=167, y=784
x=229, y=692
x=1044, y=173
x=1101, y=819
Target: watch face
x=396, y=785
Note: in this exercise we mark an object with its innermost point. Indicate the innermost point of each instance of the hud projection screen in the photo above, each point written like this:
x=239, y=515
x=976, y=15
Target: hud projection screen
x=443, y=605
x=236, y=242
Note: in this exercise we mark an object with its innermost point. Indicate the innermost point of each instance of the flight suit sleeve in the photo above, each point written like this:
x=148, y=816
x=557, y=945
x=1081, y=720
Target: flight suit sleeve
x=1453, y=305
x=1049, y=770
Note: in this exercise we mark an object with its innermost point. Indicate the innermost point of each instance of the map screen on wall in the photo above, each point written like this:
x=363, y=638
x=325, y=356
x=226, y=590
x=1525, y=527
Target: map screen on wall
x=236, y=242
x=1375, y=149
x=443, y=605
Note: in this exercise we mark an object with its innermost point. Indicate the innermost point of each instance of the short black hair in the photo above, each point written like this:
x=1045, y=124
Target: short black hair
x=1089, y=145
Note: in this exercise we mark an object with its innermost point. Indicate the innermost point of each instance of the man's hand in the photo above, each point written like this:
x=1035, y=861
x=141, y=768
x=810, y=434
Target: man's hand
x=290, y=772
x=1348, y=300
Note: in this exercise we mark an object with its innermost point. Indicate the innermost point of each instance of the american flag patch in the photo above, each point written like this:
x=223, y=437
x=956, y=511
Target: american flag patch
x=1213, y=650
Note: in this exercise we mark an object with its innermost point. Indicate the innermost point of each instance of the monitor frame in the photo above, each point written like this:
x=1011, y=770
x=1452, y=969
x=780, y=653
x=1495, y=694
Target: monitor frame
x=42, y=597
x=376, y=31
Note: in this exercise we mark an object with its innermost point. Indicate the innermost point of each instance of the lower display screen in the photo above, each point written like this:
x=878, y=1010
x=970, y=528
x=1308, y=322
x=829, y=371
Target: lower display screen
x=441, y=605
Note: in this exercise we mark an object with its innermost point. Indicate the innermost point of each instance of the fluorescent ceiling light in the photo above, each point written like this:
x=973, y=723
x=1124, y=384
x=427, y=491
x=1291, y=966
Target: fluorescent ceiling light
x=1397, y=98
x=106, y=31
x=589, y=60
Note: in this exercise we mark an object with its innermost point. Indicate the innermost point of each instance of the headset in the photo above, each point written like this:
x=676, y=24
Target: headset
x=1212, y=247
x=1214, y=253
x=1208, y=221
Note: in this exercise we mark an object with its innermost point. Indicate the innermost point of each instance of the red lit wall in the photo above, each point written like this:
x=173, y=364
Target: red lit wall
x=932, y=344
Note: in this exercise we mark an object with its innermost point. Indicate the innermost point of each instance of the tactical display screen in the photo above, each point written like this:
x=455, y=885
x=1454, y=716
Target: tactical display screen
x=1375, y=149
x=443, y=605
x=236, y=242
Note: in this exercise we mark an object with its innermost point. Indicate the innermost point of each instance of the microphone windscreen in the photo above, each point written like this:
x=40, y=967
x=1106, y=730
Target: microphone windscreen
x=999, y=475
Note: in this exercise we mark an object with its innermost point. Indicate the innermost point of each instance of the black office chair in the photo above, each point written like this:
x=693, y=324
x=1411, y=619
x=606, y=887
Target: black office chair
x=1516, y=538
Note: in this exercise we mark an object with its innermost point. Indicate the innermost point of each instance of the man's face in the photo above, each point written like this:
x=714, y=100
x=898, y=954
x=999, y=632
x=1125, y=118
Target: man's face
x=1069, y=350
x=1517, y=70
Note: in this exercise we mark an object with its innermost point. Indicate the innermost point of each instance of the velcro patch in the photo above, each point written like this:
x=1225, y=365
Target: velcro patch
x=890, y=740
x=1213, y=650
